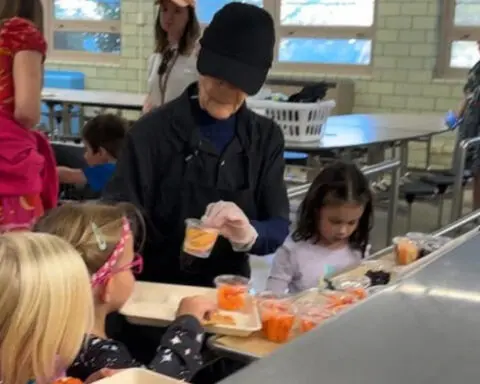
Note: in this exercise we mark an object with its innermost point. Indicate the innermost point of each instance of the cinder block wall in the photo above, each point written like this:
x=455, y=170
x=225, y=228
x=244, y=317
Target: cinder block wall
x=402, y=80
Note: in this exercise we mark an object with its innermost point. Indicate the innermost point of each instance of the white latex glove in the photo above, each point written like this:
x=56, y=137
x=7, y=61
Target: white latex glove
x=232, y=224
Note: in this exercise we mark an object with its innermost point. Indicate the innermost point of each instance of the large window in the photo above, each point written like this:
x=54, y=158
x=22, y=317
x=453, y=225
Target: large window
x=83, y=29
x=461, y=31
x=316, y=35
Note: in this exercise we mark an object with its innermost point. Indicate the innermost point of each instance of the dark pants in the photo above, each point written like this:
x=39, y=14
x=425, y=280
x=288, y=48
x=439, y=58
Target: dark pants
x=143, y=341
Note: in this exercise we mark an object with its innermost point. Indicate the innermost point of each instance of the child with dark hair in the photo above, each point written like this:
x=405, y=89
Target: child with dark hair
x=332, y=231
x=103, y=138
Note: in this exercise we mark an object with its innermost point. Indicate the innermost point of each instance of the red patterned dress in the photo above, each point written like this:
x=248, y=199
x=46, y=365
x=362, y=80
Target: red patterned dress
x=28, y=181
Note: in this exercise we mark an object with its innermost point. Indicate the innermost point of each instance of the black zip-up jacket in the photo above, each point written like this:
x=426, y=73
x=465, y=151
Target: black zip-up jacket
x=171, y=173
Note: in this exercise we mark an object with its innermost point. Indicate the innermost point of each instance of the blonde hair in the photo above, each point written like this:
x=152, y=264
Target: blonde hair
x=75, y=223
x=46, y=306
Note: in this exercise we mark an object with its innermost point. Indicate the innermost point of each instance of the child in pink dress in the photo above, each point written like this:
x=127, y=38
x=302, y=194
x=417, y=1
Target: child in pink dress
x=28, y=179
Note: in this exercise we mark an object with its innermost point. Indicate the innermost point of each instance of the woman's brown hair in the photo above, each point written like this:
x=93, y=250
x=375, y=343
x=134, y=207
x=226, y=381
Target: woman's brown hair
x=75, y=223
x=31, y=10
x=189, y=38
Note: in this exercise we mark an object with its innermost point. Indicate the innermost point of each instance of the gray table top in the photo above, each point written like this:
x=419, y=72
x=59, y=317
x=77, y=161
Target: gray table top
x=425, y=330
x=365, y=130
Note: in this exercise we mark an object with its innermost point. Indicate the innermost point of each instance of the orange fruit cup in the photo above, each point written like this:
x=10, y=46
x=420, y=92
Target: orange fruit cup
x=406, y=251
x=312, y=316
x=357, y=286
x=232, y=292
x=199, y=240
x=278, y=318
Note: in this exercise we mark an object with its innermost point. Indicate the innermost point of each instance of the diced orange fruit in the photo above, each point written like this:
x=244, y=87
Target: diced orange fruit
x=231, y=297
x=277, y=321
x=199, y=240
x=406, y=252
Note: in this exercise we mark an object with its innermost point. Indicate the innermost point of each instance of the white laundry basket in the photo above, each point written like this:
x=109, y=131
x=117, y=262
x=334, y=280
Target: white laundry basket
x=300, y=122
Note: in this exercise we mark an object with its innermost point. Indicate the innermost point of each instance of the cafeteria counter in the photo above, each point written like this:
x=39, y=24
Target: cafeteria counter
x=423, y=330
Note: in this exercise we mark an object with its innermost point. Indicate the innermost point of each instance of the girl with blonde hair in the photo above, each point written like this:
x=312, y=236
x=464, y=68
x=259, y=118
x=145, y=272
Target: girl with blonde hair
x=46, y=306
x=105, y=237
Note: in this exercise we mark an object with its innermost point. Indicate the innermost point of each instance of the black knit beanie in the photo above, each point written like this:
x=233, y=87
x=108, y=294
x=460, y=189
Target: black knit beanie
x=237, y=46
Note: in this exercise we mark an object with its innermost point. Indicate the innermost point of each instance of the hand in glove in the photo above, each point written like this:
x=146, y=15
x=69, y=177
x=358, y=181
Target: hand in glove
x=232, y=224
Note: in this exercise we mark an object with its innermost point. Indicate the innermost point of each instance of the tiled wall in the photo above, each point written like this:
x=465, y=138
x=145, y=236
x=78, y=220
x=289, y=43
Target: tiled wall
x=402, y=79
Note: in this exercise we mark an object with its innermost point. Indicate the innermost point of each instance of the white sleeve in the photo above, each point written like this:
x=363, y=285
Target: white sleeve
x=152, y=60
x=282, y=272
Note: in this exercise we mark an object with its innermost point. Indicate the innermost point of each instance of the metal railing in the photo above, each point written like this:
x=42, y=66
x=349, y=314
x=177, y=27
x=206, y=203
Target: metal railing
x=390, y=166
x=459, y=168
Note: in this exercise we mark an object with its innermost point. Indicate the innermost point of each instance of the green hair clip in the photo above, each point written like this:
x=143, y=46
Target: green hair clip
x=102, y=244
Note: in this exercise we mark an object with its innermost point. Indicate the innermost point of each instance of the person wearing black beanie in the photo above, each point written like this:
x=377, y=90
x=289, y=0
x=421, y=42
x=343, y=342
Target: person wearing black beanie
x=206, y=155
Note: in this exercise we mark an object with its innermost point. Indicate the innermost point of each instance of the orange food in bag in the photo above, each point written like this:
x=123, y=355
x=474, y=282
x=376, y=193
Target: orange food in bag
x=231, y=297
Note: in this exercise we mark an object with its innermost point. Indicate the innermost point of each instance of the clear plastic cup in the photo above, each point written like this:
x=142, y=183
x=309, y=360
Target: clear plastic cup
x=232, y=292
x=356, y=286
x=310, y=316
x=278, y=318
x=199, y=240
x=406, y=250
x=379, y=271
x=269, y=295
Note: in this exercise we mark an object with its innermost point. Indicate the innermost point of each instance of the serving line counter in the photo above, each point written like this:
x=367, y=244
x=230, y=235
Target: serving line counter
x=424, y=329
x=257, y=347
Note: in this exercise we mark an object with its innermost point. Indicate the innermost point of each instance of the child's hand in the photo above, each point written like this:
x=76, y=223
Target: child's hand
x=196, y=306
x=101, y=374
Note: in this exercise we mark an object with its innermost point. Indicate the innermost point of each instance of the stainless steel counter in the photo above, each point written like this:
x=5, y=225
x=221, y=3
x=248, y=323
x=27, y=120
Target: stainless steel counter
x=425, y=330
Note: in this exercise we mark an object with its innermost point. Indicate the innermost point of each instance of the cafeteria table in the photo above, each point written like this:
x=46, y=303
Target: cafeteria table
x=87, y=98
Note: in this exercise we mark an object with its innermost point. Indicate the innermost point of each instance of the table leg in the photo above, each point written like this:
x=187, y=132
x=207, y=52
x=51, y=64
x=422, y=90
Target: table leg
x=376, y=154
x=403, y=157
x=81, y=117
x=66, y=119
x=51, y=118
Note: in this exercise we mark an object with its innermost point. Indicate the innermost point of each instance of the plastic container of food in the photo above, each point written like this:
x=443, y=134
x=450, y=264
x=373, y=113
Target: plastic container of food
x=357, y=286
x=269, y=295
x=379, y=271
x=278, y=319
x=427, y=243
x=338, y=299
x=199, y=240
x=232, y=292
x=406, y=250
x=310, y=316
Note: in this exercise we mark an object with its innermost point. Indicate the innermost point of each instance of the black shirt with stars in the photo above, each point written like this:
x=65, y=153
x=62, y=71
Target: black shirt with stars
x=178, y=354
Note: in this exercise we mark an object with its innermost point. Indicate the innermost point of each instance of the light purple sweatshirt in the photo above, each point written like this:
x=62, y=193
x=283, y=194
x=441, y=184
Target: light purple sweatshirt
x=298, y=266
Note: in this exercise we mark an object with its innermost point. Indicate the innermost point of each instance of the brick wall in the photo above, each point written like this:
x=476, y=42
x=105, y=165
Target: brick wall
x=403, y=65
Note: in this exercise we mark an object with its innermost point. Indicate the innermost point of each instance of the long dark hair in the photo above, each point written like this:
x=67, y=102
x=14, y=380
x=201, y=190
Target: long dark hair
x=189, y=38
x=338, y=183
x=31, y=10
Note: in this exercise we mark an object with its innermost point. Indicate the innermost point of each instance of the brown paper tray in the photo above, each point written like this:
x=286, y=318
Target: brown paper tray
x=155, y=305
x=139, y=376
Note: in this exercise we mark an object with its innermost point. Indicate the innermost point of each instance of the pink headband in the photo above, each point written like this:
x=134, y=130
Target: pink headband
x=103, y=273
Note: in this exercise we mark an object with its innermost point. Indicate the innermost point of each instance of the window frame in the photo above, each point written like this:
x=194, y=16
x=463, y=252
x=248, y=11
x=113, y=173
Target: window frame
x=449, y=34
x=51, y=25
x=334, y=32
